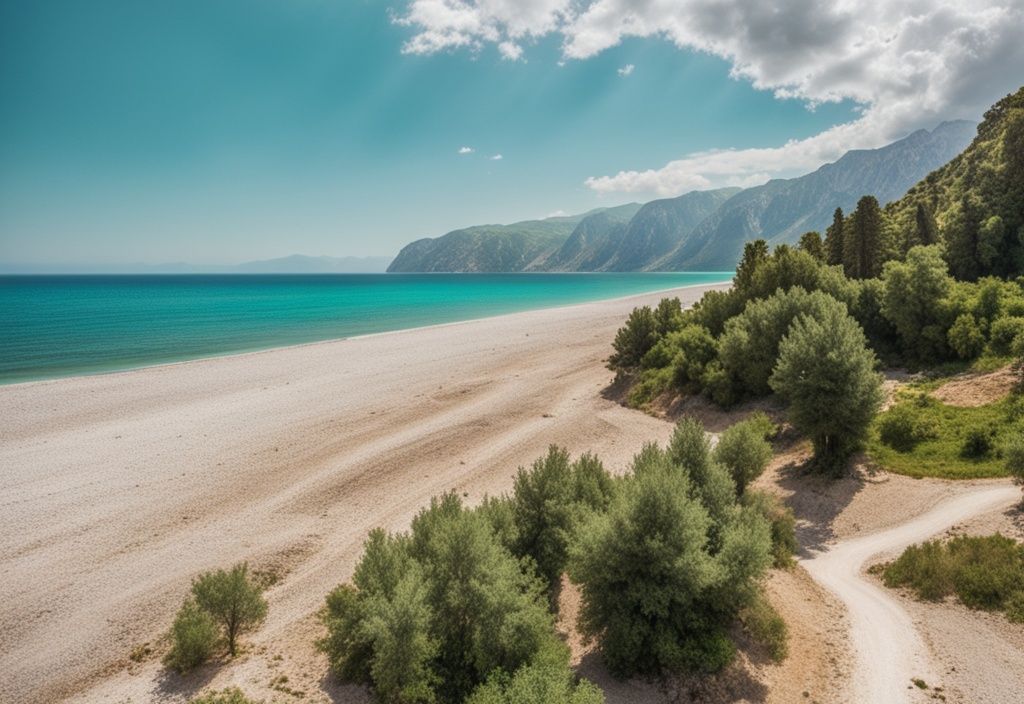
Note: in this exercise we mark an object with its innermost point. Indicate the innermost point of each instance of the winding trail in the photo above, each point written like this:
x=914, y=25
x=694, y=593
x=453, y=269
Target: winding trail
x=888, y=648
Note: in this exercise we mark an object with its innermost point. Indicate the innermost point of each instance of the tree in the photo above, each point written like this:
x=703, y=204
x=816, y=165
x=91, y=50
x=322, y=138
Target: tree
x=543, y=683
x=926, y=230
x=863, y=240
x=193, y=638
x=459, y=599
x=634, y=339
x=232, y=599
x=913, y=301
x=654, y=594
x=811, y=243
x=544, y=513
x=834, y=245
x=826, y=373
x=743, y=450
x=1013, y=453
x=668, y=316
x=965, y=337
x=754, y=254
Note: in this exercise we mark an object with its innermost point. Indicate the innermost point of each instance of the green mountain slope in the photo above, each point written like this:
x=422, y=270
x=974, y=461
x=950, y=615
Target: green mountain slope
x=593, y=242
x=977, y=199
x=783, y=209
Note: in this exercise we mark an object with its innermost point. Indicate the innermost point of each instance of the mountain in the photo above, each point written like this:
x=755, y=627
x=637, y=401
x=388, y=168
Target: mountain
x=520, y=246
x=663, y=226
x=783, y=209
x=976, y=200
x=593, y=242
x=302, y=264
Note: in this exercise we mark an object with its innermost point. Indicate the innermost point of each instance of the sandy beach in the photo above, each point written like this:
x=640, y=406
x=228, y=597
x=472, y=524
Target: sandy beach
x=118, y=489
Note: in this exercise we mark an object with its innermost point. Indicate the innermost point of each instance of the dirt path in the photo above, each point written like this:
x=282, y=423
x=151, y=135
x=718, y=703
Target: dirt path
x=889, y=649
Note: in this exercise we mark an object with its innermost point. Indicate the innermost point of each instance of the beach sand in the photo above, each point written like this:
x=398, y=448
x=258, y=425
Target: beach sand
x=118, y=489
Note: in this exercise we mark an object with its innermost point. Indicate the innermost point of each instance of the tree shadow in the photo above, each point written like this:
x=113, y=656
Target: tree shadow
x=817, y=499
x=172, y=685
x=736, y=683
x=338, y=692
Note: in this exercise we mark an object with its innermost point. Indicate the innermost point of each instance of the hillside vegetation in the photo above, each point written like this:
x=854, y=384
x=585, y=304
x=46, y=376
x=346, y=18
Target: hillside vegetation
x=811, y=323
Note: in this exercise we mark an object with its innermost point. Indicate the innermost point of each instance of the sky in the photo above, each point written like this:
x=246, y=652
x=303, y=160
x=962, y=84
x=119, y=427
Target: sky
x=220, y=131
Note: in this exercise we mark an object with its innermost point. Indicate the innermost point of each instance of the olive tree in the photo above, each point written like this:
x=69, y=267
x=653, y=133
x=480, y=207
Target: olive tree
x=826, y=372
x=232, y=599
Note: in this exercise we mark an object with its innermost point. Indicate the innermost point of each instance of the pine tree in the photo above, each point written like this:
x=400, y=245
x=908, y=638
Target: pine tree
x=863, y=240
x=926, y=231
x=834, y=239
x=811, y=243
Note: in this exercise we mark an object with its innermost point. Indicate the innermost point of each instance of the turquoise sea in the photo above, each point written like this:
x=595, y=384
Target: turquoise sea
x=52, y=326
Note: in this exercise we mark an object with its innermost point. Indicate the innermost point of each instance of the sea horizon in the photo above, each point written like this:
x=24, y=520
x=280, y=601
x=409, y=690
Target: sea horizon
x=65, y=325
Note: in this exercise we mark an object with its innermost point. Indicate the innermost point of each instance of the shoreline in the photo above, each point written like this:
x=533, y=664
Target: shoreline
x=262, y=350
x=119, y=488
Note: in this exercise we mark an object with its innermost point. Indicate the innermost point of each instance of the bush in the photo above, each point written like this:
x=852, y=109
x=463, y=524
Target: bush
x=743, y=450
x=914, y=291
x=978, y=443
x=765, y=626
x=696, y=349
x=230, y=695
x=984, y=572
x=826, y=373
x=1013, y=453
x=433, y=613
x=749, y=347
x=537, y=684
x=966, y=338
x=232, y=599
x=193, y=638
x=1003, y=332
x=655, y=592
x=902, y=427
x=781, y=523
x=634, y=339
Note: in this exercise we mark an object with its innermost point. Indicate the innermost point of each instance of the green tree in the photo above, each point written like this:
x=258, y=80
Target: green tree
x=913, y=301
x=1013, y=453
x=755, y=253
x=668, y=316
x=744, y=451
x=966, y=338
x=826, y=373
x=232, y=599
x=544, y=511
x=634, y=339
x=834, y=246
x=811, y=243
x=193, y=638
x=926, y=230
x=542, y=683
x=653, y=593
x=863, y=240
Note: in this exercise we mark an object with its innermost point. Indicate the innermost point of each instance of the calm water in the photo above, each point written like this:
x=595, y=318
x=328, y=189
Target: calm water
x=54, y=326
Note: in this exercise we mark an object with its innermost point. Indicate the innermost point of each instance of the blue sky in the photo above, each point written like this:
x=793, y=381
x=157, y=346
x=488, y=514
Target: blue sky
x=215, y=131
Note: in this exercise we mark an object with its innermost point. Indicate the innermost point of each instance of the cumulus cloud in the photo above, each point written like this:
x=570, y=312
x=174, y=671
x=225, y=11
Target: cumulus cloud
x=906, y=63
x=626, y=70
x=466, y=150
x=497, y=157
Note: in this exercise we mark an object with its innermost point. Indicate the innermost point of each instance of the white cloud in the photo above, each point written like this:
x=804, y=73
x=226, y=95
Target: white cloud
x=626, y=70
x=907, y=63
x=510, y=51
x=556, y=214
x=466, y=150
x=497, y=157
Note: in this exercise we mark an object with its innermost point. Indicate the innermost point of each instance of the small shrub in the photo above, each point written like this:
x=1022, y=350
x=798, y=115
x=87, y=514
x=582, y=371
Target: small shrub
x=1015, y=607
x=743, y=450
x=634, y=339
x=781, y=523
x=902, y=427
x=231, y=695
x=978, y=443
x=925, y=568
x=193, y=638
x=767, y=627
x=536, y=684
x=1013, y=453
x=966, y=338
x=233, y=599
x=1003, y=332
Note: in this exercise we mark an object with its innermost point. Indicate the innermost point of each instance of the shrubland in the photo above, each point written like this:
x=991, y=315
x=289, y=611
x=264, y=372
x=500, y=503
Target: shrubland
x=667, y=559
